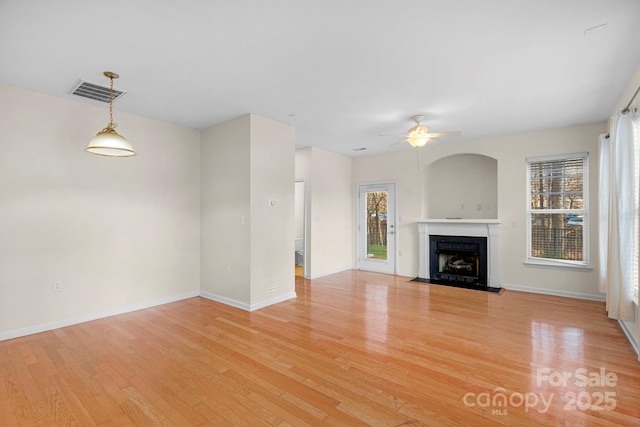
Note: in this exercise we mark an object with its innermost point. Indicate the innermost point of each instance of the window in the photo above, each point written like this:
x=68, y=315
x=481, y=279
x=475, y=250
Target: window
x=558, y=210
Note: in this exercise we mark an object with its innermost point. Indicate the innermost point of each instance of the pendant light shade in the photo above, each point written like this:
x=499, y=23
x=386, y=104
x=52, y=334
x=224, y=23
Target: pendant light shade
x=108, y=142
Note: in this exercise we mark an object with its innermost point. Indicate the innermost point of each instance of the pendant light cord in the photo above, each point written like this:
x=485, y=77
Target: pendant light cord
x=111, y=124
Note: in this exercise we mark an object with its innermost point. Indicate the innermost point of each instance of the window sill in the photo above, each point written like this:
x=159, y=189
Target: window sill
x=559, y=265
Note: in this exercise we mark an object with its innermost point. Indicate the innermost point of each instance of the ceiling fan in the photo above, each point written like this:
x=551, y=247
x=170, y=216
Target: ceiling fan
x=419, y=135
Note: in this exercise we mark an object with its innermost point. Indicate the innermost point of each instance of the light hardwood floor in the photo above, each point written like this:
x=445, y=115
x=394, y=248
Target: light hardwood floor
x=353, y=349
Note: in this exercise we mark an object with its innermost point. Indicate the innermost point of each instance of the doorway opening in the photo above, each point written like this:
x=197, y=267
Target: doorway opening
x=300, y=241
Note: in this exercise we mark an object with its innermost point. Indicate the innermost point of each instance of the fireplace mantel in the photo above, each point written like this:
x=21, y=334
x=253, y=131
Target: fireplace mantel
x=462, y=227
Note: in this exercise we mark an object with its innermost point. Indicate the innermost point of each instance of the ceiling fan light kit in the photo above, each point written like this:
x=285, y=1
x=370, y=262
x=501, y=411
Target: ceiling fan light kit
x=108, y=142
x=417, y=141
x=418, y=136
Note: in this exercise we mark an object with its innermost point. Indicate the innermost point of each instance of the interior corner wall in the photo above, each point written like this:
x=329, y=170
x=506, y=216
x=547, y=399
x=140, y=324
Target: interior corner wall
x=329, y=242
x=247, y=212
x=272, y=227
x=511, y=153
x=226, y=211
x=117, y=233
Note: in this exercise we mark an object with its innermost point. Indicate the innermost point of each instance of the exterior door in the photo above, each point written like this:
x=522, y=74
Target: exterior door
x=377, y=228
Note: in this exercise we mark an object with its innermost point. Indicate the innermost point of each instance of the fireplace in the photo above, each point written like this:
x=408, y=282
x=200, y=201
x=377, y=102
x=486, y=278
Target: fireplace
x=458, y=259
x=461, y=229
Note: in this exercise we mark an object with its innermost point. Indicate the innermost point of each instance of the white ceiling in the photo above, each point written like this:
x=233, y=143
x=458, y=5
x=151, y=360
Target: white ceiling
x=342, y=72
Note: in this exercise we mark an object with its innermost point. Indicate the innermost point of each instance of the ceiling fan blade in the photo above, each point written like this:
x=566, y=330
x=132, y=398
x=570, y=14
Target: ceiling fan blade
x=439, y=134
x=398, y=143
x=397, y=136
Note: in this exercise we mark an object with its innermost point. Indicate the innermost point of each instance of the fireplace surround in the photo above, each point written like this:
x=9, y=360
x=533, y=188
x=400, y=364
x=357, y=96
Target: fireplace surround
x=486, y=229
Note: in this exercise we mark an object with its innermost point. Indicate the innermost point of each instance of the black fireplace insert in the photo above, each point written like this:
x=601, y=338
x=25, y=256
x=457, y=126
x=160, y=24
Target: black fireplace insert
x=458, y=259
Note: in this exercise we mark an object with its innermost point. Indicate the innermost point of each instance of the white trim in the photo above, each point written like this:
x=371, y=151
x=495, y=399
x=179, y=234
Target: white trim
x=304, y=226
x=93, y=316
x=381, y=186
x=272, y=301
x=488, y=228
x=459, y=221
x=558, y=157
x=547, y=263
x=553, y=292
x=630, y=337
x=243, y=305
x=227, y=301
x=531, y=260
x=329, y=273
x=411, y=275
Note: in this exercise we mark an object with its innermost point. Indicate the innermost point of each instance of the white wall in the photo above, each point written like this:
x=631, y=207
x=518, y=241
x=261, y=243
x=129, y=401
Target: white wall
x=117, y=232
x=462, y=186
x=511, y=153
x=401, y=168
x=225, y=210
x=272, y=211
x=329, y=247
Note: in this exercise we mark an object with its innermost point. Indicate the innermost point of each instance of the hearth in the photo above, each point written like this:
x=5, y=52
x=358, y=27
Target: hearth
x=458, y=259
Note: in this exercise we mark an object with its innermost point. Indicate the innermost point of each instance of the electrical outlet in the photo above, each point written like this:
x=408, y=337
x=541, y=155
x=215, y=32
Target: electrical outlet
x=228, y=270
x=56, y=286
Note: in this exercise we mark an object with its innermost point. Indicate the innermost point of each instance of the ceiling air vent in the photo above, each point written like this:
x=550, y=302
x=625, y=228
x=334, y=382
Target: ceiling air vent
x=96, y=92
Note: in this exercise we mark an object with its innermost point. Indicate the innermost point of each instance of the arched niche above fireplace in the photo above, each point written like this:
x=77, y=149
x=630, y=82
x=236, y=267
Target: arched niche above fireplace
x=462, y=186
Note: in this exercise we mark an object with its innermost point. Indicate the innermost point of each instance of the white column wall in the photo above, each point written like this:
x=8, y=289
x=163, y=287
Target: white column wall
x=226, y=211
x=272, y=189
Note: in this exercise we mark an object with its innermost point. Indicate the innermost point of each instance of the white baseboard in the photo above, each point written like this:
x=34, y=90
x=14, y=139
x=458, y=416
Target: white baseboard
x=327, y=273
x=630, y=337
x=16, y=333
x=224, y=300
x=412, y=275
x=271, y=301
x=554, y=292
x=243, y=305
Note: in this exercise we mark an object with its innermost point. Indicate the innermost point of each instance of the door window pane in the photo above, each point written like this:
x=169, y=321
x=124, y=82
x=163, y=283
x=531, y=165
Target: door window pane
x=377, y=225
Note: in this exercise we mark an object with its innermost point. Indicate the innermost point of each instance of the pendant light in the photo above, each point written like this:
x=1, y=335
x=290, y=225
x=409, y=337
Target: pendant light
x=108, y=142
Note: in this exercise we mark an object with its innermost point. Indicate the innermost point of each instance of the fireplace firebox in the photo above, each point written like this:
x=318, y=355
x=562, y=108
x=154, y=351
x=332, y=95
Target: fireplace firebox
x=458, y=259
